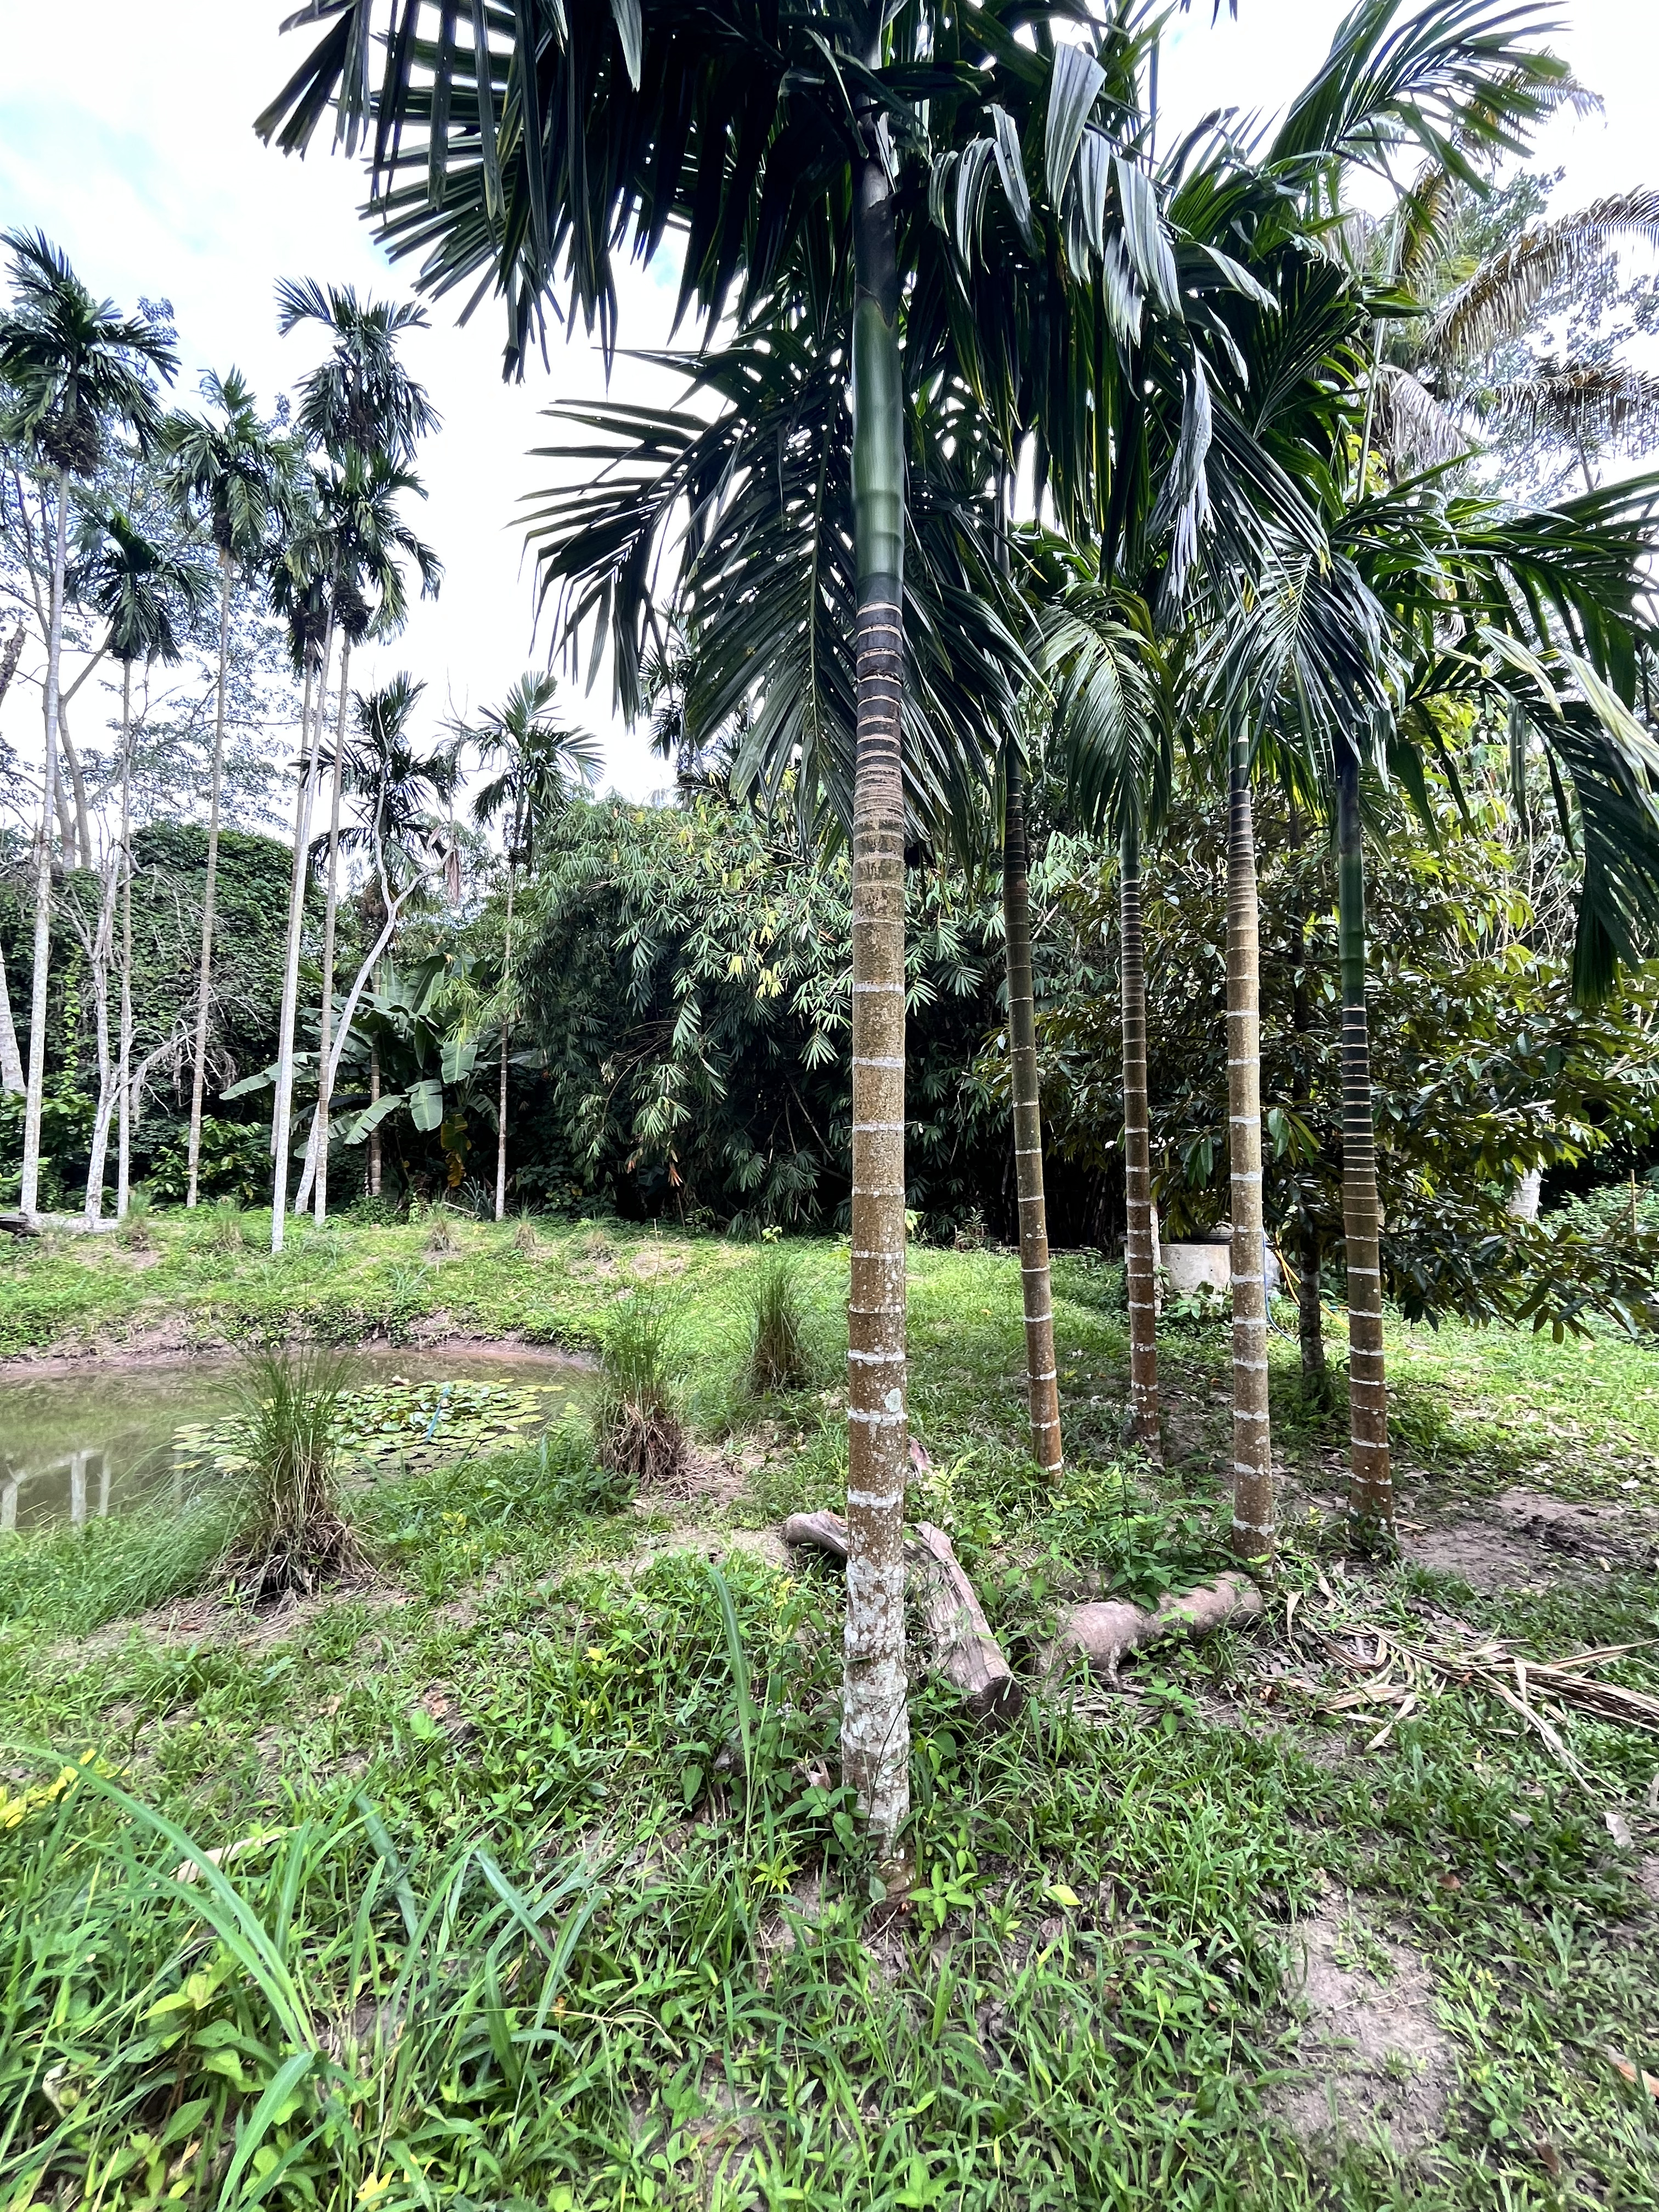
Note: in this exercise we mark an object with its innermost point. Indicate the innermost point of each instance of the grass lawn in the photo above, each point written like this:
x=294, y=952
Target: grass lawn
x=535, y=1887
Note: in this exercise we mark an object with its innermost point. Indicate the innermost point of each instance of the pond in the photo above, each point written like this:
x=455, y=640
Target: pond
x=83, y=1442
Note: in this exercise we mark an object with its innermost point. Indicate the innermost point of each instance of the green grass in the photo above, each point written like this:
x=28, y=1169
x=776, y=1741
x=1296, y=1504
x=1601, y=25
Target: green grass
x=546, y=1896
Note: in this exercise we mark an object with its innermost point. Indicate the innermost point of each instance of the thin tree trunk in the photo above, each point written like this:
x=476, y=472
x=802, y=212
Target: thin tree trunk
x=1140, y=1252
x=374, y=1133
x=501, y=1102
x=209, y=889
x=875, y=1717
x=282, y=1110
x=11, y=1061
x=80, y=854
x=103, y=946
x=1309, y=1314
x=1370, y=1486
x=34, y=1088
x=1041, y=1378
x=1253, y=1534
x=124, y=1110
x=325, y=1084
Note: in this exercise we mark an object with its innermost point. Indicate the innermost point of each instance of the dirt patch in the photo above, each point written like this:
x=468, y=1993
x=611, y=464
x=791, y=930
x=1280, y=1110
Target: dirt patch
x=708, y=1477
x=1528, y=1538
x=713, y=1543
x=205, y=1618
x=654, y=1261
x=1375, y=2058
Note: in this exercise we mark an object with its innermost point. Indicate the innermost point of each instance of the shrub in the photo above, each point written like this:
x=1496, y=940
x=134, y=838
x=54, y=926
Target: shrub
x=291, y=1534
x=778, y=1357
x=227, y=1231
x=637, y=1429
x=135, y=1228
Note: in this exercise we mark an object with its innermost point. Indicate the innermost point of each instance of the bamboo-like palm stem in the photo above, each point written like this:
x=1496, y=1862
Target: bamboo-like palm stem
x=35, y=1083
x=501, y=1102
x=330, y=909
x=1042, y=1380
x=1140, y=1259
x=1371, y=1486
x=282, y=1110
x=875, y=1718
x=1253, y=1533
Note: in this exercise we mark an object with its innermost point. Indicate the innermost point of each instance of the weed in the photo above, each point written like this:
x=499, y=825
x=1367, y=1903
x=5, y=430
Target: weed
x=225, y=1226
x=525, y=1239
x=637, y=1428
x=292, y=1537
x=135, y=1231
x=777, y=1318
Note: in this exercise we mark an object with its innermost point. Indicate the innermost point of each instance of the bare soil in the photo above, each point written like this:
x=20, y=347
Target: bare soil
x=1526, y=1538
x=1376, y=2060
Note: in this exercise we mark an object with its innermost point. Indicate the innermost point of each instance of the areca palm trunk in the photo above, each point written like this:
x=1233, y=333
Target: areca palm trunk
x=501, y=1101
x=374, y=1133
x=282, y=1110
x=1254, y=1534
x=1042, y=1379
x=1371, y=1484
x=209, y=889
x=875, y=1719
x=103, y=946
x=1140, y=1259
x=35, y=1081
x=124, y=1115
x=325, y=1084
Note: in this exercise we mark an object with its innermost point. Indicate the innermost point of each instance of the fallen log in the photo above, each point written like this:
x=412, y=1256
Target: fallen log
x=962, y=1646
x=1106, y=1632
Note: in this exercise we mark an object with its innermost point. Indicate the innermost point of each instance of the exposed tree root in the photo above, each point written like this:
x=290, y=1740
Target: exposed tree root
x=961, y=1645
x=1106, y=1633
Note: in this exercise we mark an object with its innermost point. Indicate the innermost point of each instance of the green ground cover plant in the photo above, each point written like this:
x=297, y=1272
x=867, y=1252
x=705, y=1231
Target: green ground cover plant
x=535, y=1885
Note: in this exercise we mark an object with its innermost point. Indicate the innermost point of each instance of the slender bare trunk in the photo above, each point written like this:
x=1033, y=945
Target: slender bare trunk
x=125, y=1115
x=875, y=1716
x=1371, y=1486
x=501, y=1102
x=374, y=1133
x=1141, y=1246
x=1042, y=1379
x=209, y=889
x=324, y=1077
x=330, y=1072
x=1309, y=1257
x=34, y=1087
x=282, y=1110
x=11, y=1061
x=103, y=945
x=78, y=847
x=1253, y=1534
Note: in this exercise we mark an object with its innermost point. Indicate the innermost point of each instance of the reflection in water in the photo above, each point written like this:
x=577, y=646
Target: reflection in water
x=75, y=1447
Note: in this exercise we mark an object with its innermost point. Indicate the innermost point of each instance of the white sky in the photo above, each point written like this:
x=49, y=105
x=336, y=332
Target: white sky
x=125, y=135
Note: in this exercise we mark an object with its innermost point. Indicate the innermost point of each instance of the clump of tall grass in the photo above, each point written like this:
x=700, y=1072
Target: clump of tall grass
x=524, y=1234
x=778, y=1357
x=136, y=1228
x=227, y=1226
x=638, y=1431
x=291, y=1537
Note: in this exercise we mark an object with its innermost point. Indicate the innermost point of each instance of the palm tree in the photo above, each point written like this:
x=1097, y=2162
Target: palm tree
x=341, y=573
x=71, y=367
x=359, y=406
x=543, y=759
x=235, y=476
x=148, y=597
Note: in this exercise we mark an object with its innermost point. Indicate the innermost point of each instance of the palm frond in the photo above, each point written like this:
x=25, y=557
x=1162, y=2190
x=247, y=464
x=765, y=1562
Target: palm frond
x=1497, y=302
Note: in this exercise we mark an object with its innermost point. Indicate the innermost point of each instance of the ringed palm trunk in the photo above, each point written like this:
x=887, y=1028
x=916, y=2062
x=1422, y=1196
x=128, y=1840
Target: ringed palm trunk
x=35, y=1083
x=1309, y=1258
x=501, y=1101
x=374, y=1133
x=875, y=1719
x=209, y=889
x=1140, y=1256
x=282, y=1110
x=325, y=1084
x=1042, y=1380
x=109, y=1073
x=1371, y=1486
x=1253, y=1527
x=123, y=1118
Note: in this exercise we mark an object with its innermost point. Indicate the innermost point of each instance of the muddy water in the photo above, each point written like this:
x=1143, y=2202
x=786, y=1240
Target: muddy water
x=93, y=1439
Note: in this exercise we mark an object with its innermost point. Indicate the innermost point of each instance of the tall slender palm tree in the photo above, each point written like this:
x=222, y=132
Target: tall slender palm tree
x=150, y=599
x=232, y=474
x=811, y=121
x=542, y=758
x=359, y=405
x=72, y=369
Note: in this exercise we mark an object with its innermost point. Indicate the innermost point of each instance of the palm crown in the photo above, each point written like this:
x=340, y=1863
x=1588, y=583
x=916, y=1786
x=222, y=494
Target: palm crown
x=71, y=363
